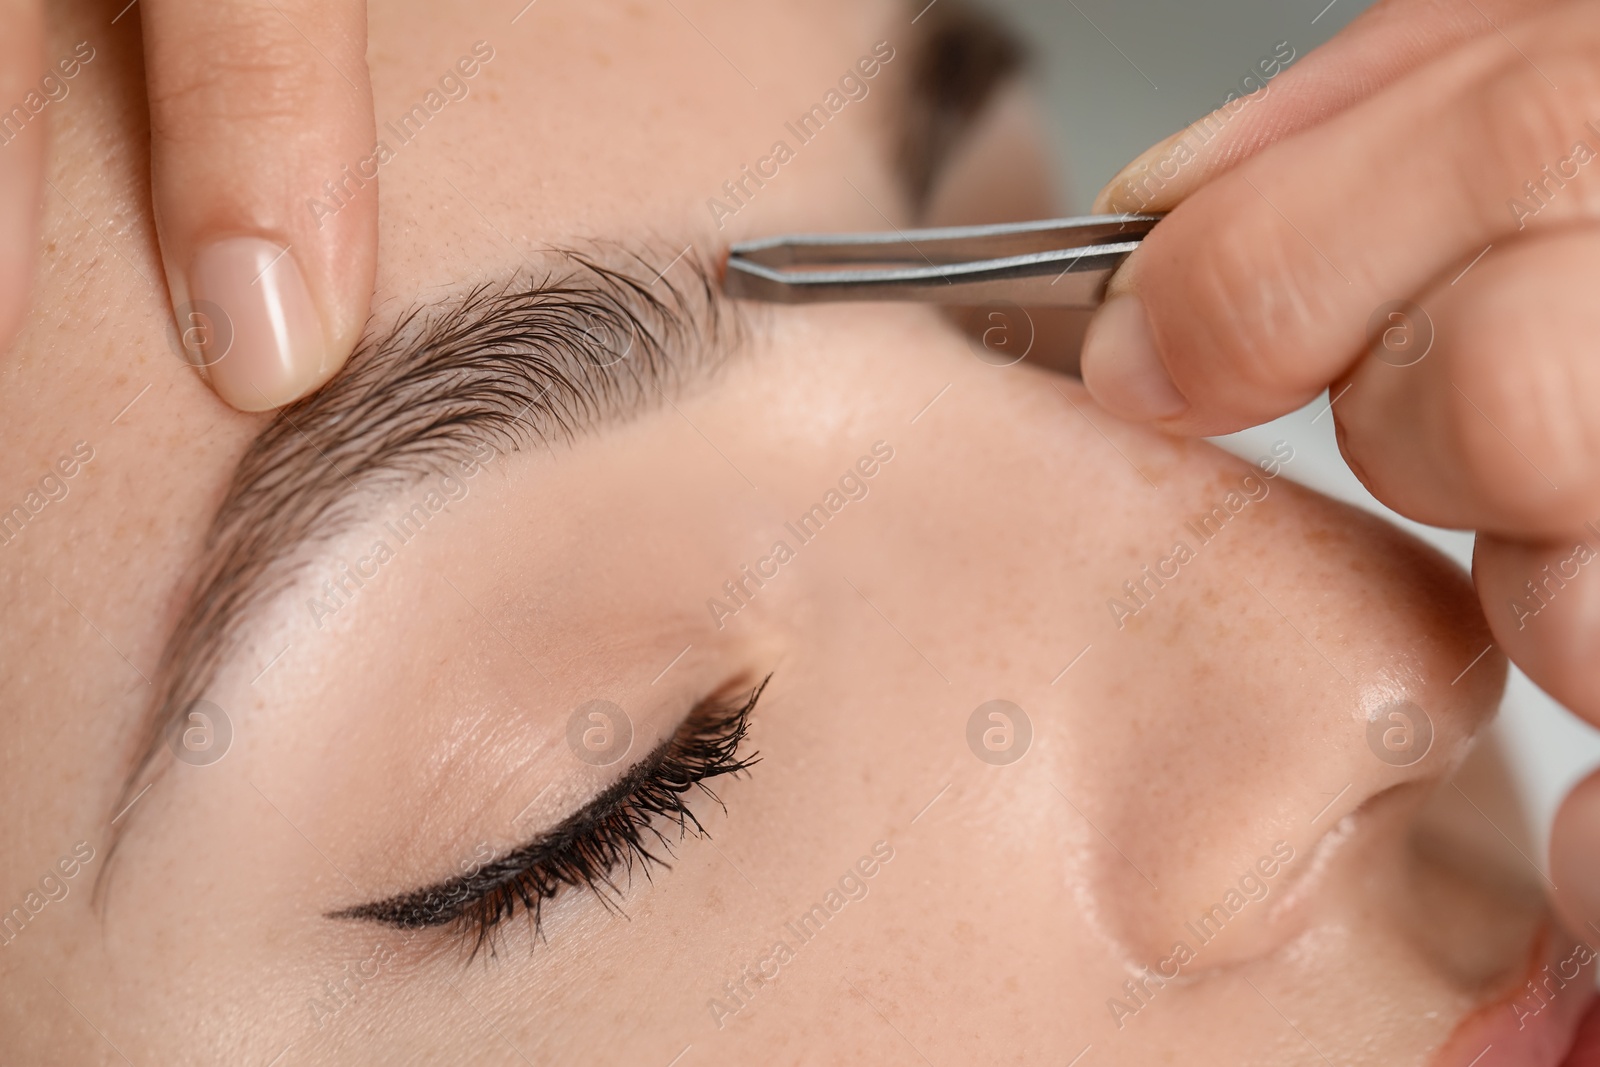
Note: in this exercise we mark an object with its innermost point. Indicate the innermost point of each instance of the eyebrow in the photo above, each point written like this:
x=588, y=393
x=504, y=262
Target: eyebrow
x=961, y=55
x=543, y=358
x=594, y=338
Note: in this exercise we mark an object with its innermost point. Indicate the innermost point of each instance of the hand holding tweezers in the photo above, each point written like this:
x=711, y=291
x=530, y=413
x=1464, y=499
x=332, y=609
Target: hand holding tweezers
x=1044, y=263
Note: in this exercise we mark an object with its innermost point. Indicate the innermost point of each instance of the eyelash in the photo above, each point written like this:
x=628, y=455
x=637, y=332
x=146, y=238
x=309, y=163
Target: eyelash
x=589, y=849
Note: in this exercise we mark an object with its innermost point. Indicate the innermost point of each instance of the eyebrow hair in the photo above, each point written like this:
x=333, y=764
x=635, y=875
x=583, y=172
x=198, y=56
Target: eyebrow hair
x=963, y=53
x=595, y=337
x=539, y=359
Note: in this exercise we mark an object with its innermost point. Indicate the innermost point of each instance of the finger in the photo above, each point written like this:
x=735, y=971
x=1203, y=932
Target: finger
x=1543, y=606
x=1486, y=415
x=21, y=155
x=1574, y=861
x=1257, y=290
x=1277, y=99
x=1542, y=603
x=265, y=186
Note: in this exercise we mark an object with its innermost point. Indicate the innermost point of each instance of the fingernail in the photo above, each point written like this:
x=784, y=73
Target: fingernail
x=1133, y=190
x=266, y=346
x=1122, y=368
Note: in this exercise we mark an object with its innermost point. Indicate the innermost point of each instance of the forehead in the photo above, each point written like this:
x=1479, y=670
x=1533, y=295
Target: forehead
x=620, y=120
x=499, y=138
x=608, y=121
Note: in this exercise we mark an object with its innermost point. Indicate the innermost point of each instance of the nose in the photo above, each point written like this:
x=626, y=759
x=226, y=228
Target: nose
x=1286, y=674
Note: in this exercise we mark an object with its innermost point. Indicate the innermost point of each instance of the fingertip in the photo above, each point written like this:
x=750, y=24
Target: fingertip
x=1542, y=601
x=265, y=183
x=1149, y=182
x=1575, y=861
x=1122, y=366
x=251, y=322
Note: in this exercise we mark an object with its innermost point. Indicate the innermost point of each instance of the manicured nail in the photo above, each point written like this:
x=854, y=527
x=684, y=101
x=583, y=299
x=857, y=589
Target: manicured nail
x=1121, y=367
x=264, y=346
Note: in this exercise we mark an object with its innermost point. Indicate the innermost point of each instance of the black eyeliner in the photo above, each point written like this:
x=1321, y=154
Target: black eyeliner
x=588, y=848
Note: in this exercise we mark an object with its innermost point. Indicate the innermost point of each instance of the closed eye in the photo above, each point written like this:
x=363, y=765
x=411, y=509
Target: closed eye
x=629, y=824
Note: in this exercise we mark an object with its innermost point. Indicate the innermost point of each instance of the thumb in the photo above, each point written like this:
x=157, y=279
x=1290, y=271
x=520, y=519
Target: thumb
x=265, y=186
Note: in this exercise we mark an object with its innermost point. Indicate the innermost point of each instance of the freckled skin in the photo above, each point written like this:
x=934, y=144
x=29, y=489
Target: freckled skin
x=1165, y=764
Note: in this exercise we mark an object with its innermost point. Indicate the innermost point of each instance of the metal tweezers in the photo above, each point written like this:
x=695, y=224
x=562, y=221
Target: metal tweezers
x=1045, y=263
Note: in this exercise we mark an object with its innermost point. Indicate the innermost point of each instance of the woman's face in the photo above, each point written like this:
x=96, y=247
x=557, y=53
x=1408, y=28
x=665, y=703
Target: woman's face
x=1199, y=825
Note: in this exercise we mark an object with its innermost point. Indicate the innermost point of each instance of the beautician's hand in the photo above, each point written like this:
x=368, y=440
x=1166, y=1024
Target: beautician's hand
x=255, y=106
x=1394, y=166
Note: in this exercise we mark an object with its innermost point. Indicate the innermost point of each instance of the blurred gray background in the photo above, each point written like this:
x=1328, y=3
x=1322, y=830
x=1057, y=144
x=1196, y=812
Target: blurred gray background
x=1116, y=78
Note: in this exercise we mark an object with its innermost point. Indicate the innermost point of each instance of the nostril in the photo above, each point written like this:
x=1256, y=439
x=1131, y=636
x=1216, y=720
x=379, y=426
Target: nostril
x=1187, y=931
x=1197, y=923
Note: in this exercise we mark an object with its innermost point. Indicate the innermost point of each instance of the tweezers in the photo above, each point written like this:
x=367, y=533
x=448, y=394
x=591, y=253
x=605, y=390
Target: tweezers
x=1044, y=263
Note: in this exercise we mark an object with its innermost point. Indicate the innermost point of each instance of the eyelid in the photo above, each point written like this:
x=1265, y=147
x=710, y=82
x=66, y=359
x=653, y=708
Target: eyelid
x=442, y=902
x=589, y=847
x=509, y=362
